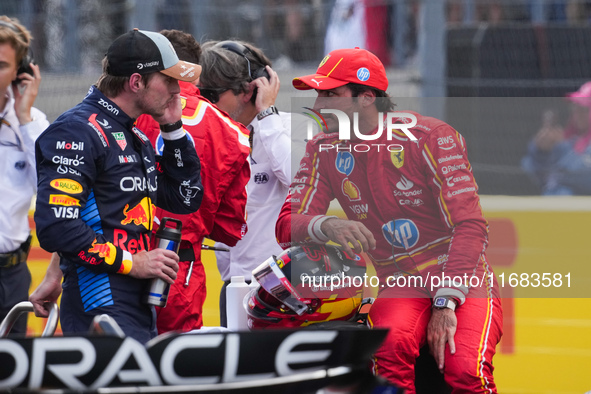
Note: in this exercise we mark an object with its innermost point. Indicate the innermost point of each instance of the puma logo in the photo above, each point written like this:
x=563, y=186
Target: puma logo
x=316, y=82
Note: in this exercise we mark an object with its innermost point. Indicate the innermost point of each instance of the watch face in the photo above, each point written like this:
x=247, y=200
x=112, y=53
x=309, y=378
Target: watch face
x=440, y=302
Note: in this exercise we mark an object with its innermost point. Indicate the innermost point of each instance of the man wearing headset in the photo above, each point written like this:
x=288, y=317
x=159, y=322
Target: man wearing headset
x=238, y=78
x=20, y=125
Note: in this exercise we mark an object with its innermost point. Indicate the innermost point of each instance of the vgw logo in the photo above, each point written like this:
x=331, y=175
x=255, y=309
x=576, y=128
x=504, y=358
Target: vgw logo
x=405, y=120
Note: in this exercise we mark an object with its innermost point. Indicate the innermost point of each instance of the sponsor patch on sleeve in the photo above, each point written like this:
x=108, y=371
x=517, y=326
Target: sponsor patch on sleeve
x=67, y=186
x=62, y=199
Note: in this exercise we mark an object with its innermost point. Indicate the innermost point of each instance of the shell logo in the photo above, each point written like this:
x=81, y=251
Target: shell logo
x=351, y=190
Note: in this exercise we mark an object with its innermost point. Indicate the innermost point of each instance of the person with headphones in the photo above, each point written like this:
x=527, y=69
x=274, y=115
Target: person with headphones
x=20, y=125
x=237, y=77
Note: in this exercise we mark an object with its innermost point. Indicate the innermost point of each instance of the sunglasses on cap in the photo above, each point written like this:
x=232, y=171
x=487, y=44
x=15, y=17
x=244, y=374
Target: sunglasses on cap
x=212, y=94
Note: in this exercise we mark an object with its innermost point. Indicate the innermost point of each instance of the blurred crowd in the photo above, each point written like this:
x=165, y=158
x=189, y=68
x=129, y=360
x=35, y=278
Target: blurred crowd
x=291, y=31
x=498, y=11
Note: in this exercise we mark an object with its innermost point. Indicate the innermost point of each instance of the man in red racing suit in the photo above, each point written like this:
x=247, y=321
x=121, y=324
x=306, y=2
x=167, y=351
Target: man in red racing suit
x=413, y=206
x=223, y=148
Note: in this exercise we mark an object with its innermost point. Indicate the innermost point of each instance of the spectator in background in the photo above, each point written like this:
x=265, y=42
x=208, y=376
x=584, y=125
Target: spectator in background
x=359, y=23
x=496, y=12
x=223, y=148
x=346, y=26
x=578, y=12
x=238, y=78
x=492, y=11
x=377, y=19
x=559, y=158
x=20, y=125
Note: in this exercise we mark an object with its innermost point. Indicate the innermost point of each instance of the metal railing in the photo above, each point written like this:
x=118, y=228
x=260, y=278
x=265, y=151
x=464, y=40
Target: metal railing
x=25, y=307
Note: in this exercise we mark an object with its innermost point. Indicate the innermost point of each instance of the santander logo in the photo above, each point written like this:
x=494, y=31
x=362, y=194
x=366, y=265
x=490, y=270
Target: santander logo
x=404, y=183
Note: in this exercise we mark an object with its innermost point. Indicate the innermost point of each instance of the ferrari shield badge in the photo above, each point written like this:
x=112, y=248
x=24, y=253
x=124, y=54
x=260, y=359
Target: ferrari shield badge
x=397, y=159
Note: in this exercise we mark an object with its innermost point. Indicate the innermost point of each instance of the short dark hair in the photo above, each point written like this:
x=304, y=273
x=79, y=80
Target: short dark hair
x=225, y=69
x=384, y=104
x=185, y=45
x=112, y=86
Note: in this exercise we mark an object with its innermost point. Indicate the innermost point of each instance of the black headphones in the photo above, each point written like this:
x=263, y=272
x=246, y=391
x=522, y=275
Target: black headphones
x=241, y=50
x=24, y=66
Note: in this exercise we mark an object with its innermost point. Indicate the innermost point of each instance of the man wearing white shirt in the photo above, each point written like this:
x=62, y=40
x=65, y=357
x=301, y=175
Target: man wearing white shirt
x=237, y=77
x=20, y=125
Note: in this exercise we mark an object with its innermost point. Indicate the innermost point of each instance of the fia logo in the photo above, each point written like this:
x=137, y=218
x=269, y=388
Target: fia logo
x=261, y=177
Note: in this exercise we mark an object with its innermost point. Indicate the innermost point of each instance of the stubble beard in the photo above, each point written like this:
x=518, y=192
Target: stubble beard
x=150, y=109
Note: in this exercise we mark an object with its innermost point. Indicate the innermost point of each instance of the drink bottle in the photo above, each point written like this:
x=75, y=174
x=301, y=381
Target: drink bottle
x=166, y=238
x=235, y=312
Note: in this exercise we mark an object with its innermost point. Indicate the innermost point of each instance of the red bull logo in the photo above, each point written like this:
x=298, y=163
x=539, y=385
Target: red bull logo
x=141, y=215
x=106, y=251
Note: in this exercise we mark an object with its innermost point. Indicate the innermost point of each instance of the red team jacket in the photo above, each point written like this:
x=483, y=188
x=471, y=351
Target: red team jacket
x=222, y=146
x=421, y=204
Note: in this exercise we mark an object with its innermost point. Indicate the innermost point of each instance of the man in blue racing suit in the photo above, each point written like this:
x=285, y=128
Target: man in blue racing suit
x=98, y=183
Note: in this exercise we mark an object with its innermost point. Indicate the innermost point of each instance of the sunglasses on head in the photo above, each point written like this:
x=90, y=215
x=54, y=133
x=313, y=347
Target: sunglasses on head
x=212, y=94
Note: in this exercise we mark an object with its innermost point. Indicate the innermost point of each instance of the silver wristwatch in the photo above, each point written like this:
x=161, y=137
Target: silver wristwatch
x=266, y=112
x=444, y=302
